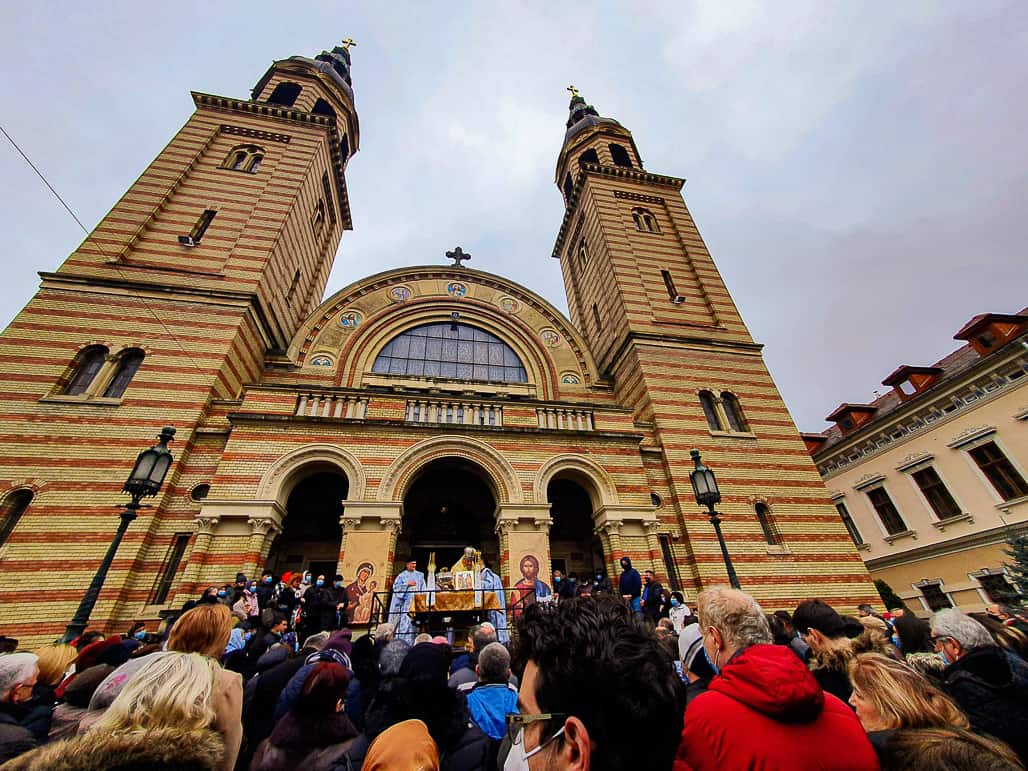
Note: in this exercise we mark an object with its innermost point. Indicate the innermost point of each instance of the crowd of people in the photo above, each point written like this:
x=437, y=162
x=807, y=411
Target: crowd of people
x=266, y=675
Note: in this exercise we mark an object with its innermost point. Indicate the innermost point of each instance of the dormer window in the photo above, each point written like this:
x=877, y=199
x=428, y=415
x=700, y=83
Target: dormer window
x=909, y=380
x=846, y=424
x=849, y=417
x=988, y=332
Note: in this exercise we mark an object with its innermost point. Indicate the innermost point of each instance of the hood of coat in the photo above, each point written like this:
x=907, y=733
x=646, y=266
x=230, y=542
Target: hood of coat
x=989, y=664
x=626, y=563
x=773, y=681
x=160, y=749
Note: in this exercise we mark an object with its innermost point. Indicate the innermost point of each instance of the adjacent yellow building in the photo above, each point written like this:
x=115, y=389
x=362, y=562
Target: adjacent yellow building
x=929, y=478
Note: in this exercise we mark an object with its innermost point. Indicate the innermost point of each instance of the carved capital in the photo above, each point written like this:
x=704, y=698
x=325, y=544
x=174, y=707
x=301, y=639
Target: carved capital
x=392, y=525
x=260, y=526
x=612, y=527
x=506, y=525
x=542, y=523
x=651, y=526
x=349, y=523
x=206, y=525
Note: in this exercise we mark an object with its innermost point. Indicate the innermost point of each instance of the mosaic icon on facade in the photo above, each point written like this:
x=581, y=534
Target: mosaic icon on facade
x=321, y=361
x=457, y=289
x=351, y=319
x=510, y=305
x=400, y=294
x=550, y=337
x=570, y=378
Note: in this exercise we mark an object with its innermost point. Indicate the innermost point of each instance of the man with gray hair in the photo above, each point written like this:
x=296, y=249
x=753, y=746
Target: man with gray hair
x=988, y=684
x=464, y=667
x=21, y=727
x=492, y=698
x=763, y=708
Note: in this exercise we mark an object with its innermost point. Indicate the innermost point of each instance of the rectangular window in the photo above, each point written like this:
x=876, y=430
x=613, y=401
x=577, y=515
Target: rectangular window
x=171, y=564
x=669, y=284
x=997, y=588
x=887, y=512
x=847, y=520
x=936, y=494
x=999, y=471
x=935, y=597
x=326, y=187
x=669, y=563
x=201, y=225
x=596, y=318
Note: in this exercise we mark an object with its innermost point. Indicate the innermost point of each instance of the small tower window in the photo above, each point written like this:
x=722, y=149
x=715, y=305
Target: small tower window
x=568, y=187
x=128, y=363
x=620, y=156
x=13, y=509
x=285, y=94
x=87, y=366
x=767, y=525
x=344, y=147
x=318, y=220
x=199, y=229
x=596, y=318
x=672, y=291
x=321, y=107
x=326, y=188
x=292, y=286
x=645, y=221
x=589, y=156
x=733, y=412
x=710, y=411
x=583, y=254
x=246, y=158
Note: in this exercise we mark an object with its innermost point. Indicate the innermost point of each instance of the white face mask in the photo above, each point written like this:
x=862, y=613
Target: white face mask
x=517, y=758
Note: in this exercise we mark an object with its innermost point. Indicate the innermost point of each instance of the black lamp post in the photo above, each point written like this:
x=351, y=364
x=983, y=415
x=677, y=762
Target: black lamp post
x=704, y=485
x=145, y=481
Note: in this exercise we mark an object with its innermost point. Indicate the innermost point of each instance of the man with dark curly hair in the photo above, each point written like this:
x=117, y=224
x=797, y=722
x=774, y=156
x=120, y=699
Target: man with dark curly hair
x=597, y=692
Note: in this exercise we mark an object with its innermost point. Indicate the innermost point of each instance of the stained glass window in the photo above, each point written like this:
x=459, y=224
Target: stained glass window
x=454, y=351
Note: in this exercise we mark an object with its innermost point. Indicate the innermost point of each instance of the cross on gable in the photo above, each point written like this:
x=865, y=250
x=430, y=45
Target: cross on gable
x=458, y=255
x=349, y=42
x=573, y=90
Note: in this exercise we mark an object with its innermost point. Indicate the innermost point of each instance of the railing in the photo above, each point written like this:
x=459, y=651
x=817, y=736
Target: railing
x=564, y=419
x=435, y=619
x=453, y=411
x=317, y=405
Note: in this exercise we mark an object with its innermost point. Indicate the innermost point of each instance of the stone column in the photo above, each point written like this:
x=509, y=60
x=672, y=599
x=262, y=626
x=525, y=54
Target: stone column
x=262, y=531
x=650, y=527
x=204, y=529
x=612, y=529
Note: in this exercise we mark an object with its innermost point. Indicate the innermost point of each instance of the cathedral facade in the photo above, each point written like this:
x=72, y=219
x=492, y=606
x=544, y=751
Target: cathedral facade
x=415, y=411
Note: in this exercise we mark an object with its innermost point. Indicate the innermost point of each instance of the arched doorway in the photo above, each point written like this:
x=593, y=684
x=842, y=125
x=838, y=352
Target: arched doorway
x=448, y=506
x=311, y=531
x=574, y=547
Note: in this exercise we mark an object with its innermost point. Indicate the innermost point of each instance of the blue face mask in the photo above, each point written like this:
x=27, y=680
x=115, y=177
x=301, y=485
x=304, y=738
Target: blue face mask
x=140, y=635
x=715, y=667
x=896, y=641
x=556, y=579
x=267, y=580
x=674, y=603
x=945, y=658
x=222, y=594
x=339, y=584
x=319, y=582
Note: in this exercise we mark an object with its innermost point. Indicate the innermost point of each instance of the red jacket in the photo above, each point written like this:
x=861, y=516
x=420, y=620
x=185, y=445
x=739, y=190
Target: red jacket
x=766, y=711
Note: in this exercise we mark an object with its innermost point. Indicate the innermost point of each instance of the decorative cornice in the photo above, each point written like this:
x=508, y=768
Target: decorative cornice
x=627, y=196
x=867, y=480
x=914, y=459
x=969, y=435
x=267, y=136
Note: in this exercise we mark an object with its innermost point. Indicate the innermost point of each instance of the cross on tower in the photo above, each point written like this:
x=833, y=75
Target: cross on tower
x=349, y=42
x=573, y=90
x=458, y=255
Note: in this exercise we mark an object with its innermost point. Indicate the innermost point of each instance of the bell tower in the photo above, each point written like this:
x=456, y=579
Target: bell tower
x=644, y=290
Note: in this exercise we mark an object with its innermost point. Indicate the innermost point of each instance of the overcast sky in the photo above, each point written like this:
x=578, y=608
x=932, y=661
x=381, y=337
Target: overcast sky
x=858, y=170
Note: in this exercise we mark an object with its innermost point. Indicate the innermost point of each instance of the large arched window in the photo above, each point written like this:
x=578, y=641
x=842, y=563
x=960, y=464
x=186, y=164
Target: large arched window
x=620, y=156
x=733, y=411
x=128, y=363
x=710, y=411
x=87, y=365
x=11, y=511
x=447, y=350
x=321, y=107
x=285, y=94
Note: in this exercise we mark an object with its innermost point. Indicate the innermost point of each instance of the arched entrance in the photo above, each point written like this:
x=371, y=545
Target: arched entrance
x=574, y=547
x=448, y=506
x=311, y=532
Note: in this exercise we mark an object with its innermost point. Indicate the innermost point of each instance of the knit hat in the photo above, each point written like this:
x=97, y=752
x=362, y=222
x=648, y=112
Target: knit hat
x=690, y=643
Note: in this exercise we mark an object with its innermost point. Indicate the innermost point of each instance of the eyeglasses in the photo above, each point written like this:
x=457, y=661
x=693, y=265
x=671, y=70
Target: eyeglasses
x=516, y=727
x=938, y=638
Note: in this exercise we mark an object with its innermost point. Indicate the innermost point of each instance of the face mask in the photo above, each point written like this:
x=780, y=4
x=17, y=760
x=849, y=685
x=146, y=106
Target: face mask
x=556, y=579
x=896, y=641
x=674, y=603
x=222, y=594
x=319, y=582
x=267, y=580
x=517, y=758
x=715, y=667
x=945, y=658
x=339, y=584
x=140, y=635
x=599, y=576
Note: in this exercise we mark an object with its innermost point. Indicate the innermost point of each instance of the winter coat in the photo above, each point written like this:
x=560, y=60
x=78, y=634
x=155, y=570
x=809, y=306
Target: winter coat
x=766, y=710
x=991, y=687
x=310, y=744
x=652, y=606
x=630, y=582
x=159, y=749
x=831, y=667
x=319, y=610
x=264, y=594
x=489, y=704
x=15, y=736
x=563, y=589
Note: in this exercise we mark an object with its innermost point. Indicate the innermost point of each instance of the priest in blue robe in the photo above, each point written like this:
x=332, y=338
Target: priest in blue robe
x=498, y=618
x=407, y=584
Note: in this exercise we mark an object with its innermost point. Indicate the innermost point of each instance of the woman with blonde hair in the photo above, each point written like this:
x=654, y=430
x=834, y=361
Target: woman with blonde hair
x=55, y=663
x=889, y=696
x=163, y=718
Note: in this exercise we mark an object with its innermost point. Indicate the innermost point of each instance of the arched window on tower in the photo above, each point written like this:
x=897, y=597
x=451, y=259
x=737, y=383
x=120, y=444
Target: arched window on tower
x=645, y=221
x=318, y=219
x=569, y=187
x=710, y=412
x=583, y=254
x=11, y=511
x=87, y=365
x=285, y=94
x=733, y=412
x=344, y=147
x=767, y=525
x=127, y=362
x=589, y=156
x=246, y=158
x=620, y=156
x=321, y=107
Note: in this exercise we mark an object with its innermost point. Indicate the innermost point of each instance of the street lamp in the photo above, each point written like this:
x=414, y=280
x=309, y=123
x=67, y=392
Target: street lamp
x=144, y=482
x=704, y=486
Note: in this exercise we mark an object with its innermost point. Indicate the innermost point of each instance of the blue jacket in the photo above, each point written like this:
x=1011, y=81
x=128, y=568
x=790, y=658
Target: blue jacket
x=630, y=581
x=489, y=704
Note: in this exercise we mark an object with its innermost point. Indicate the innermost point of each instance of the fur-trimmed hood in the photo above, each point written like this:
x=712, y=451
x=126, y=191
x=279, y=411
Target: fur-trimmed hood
x=838, y=657
x=164, y=749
